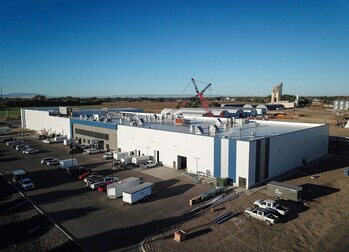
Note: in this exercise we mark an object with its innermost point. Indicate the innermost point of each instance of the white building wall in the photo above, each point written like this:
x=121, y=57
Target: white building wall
x=287, y=151
x=198, y=149
x=41, y=120
x=224, y=158
x=242, y=160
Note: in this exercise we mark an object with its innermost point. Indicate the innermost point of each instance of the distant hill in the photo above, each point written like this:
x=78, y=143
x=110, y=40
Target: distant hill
x=22, y=95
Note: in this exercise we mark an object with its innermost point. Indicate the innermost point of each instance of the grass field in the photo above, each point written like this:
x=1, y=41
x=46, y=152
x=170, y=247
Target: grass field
x=10, y=113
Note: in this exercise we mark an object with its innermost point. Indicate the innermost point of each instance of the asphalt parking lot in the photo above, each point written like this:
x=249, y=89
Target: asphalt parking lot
x=95, y=222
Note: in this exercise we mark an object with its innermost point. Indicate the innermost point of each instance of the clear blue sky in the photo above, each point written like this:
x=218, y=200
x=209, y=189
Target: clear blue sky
x=97, y=48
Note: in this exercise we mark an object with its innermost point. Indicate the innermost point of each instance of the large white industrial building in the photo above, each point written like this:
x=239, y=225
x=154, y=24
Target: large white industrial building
x=246, y=152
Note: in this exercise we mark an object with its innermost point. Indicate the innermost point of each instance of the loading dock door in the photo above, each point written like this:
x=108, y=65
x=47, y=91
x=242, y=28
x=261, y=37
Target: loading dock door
x=242, y=182
x=182, y=162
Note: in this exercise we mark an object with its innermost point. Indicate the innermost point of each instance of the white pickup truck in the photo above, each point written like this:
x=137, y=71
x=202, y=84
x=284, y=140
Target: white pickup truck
x=271, y=205
x=262, y=214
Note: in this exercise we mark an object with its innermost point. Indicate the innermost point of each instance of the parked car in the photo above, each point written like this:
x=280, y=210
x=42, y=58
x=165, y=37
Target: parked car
x=91, y=151
x=118, y=166
x=15, y=143
x=75, y=150
x=262, y=214
x=108, y=155
x=53, y=162
x=31, y=151
x=103, y=181
x=22, y=147
x=26, y=183
x=272, y=205
x=103, y=188
x=79, y=170
x=83, y=146
x=6, y=139
x=23, y=134
x=84, y=175
x=92, y=177
x=47, y=141
x=149, y=164
x=40, y=137
x=46, y=159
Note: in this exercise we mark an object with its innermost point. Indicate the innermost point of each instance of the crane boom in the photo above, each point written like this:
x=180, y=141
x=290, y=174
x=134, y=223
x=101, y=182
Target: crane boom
x=201, y=97
x=196, y=87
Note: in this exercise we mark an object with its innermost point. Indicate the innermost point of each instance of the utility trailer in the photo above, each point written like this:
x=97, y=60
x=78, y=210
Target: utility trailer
x=68, y=141
x=115, y=190
x=5, y=130
x=284, y=191
x=137, y=193
x=140, y=160
x=59, y=139
x=127, y=160
x=67, y=163
x=119, y=155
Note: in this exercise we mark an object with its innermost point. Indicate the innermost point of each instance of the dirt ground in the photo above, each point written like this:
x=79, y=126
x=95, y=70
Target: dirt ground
x=24, y=228
x=320, y=223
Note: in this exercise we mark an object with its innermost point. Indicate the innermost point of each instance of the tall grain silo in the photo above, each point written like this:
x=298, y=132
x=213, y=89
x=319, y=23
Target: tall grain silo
x=346, y=105
x=341, y=105
x=336, y=105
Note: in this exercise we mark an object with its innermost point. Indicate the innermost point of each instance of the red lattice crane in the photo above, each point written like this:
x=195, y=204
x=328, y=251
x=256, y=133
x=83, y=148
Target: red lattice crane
x=203, y=101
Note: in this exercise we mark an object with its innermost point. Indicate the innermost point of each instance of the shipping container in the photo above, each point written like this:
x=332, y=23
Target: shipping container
x=64, y=164
x=115, y=190
x=137, y=193
x=284, y=191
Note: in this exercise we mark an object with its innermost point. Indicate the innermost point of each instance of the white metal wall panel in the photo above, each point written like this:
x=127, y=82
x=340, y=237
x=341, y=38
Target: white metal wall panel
x=242, y=160
x=224, y=158
x=287, y=151
x=198, y=149
x=39, y=120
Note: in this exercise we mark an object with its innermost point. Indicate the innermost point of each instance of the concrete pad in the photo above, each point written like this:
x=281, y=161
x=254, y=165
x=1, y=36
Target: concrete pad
x=161, y=172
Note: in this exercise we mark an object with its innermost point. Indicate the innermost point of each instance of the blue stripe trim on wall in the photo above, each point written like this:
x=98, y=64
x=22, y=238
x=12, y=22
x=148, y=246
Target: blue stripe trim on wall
x=217, y=157
x=104, y=125
x=232, y=160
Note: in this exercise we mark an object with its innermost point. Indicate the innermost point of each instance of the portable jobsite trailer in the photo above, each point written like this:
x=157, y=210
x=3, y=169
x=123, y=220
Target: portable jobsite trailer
x=284, y=191
x=137, y=193
x=5, y=130
x=64, y=164
x=115, y=190
x=127, y=160
x=119, y=155
x=140, y=160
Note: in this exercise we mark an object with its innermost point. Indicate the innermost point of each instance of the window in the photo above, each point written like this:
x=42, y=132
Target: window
x=92, y=134
x=88, y=141
x=84, y=140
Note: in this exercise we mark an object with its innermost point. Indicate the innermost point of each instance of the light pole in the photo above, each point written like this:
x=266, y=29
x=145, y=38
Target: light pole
x=112, y=166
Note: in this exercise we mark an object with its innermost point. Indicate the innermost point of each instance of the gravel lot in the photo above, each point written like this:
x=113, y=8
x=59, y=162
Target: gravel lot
x=24, y=228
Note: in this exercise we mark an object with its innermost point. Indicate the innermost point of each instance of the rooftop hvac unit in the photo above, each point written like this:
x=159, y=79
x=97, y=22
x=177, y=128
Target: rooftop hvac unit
x=140, y=121
x=199, y=130
x=257, y=125
x=253, y=133
x=214, y=128
x=191, y=127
